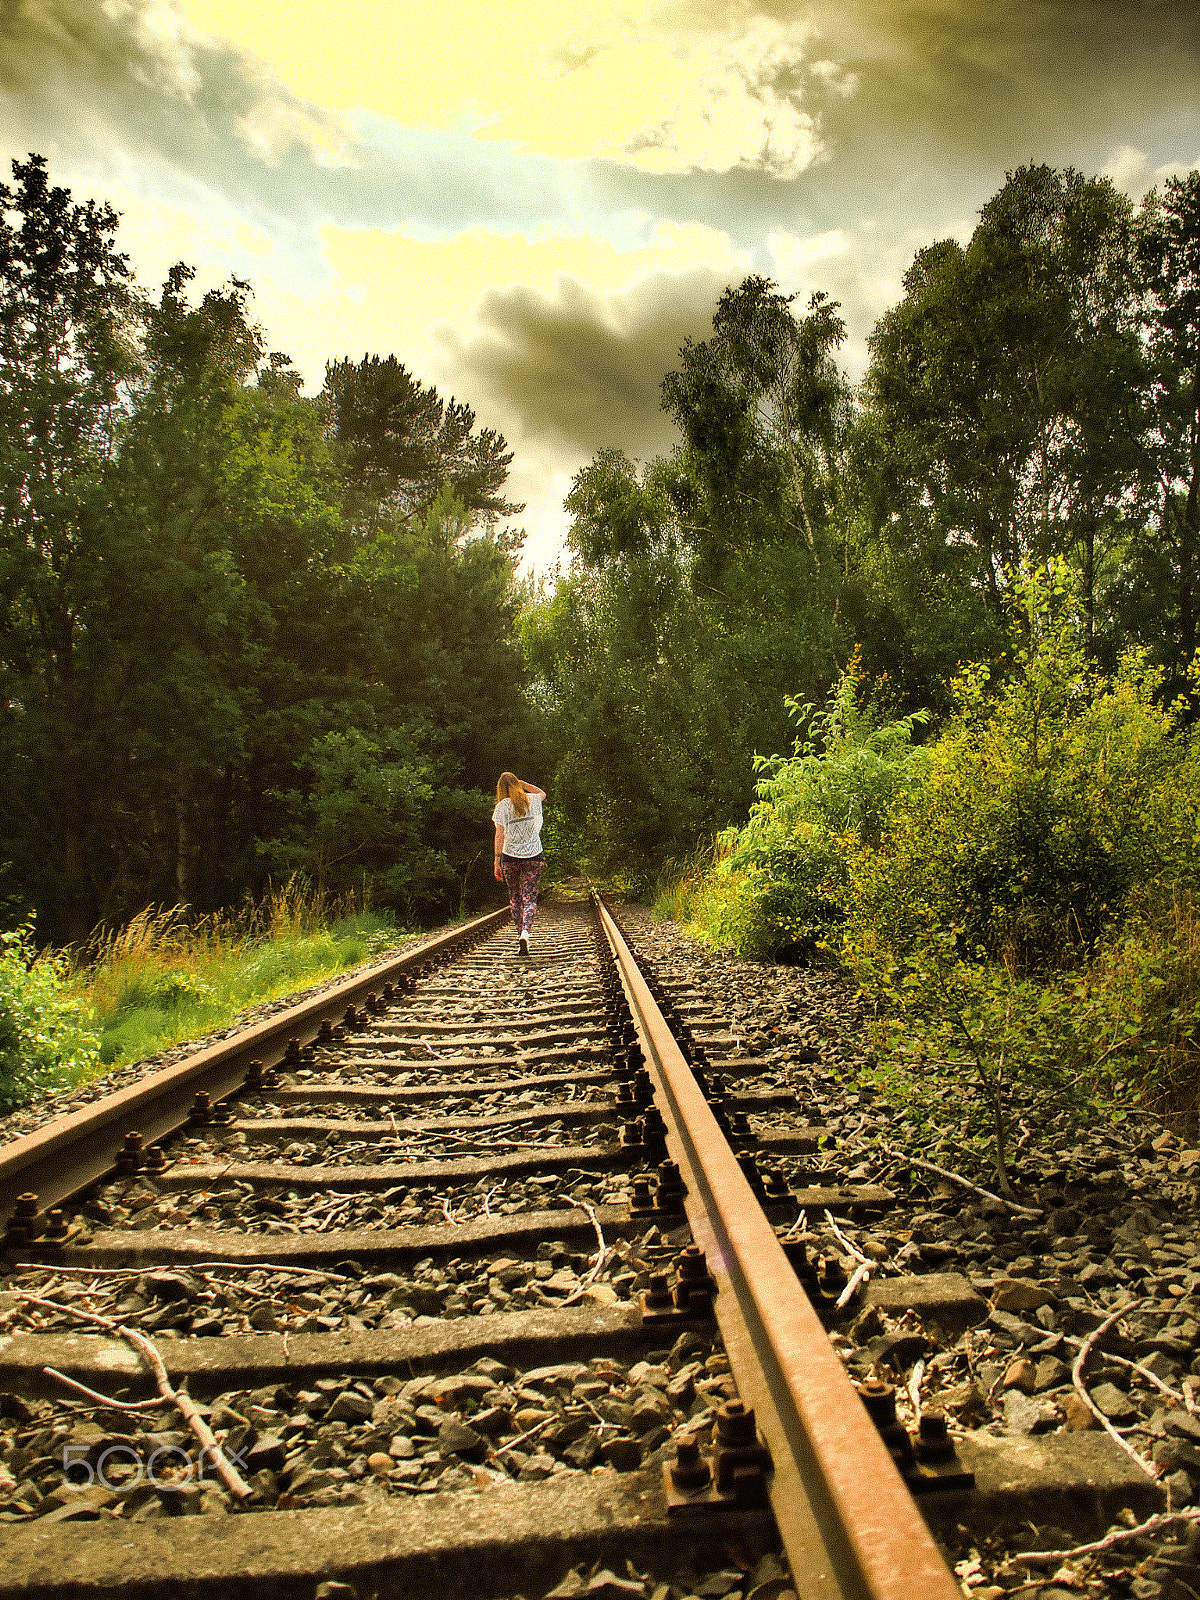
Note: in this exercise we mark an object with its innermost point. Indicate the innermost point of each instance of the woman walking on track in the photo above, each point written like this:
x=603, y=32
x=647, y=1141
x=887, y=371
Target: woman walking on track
x=519, y=859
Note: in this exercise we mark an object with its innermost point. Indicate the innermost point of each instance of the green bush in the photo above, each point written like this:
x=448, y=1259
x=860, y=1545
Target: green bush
x=46, y=1035
x=780, y=880
x=1017, y=896
x=1041, y=807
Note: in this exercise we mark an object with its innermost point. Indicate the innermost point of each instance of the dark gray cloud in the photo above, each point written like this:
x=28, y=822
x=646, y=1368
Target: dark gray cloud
x=581, y=369
x=999, y=83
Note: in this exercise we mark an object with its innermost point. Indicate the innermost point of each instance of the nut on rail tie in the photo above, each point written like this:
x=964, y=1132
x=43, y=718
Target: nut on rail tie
x=131, y=1156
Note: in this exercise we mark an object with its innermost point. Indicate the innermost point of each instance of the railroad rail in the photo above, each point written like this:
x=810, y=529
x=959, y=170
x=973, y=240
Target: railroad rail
x=568, y=1098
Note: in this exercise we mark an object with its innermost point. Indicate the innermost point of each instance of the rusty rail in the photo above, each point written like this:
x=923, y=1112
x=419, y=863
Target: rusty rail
x=74, y=1150
x=850, y=1527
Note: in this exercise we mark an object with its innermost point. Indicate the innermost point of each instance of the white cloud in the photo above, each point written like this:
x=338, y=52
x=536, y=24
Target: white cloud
x=1130, y=170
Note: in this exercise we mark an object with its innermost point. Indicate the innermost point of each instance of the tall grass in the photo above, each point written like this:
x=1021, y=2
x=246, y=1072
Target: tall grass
x=162, y=978
x=710, y=901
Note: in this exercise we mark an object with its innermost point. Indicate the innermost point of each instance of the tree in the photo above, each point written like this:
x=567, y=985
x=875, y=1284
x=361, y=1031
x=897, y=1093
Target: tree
x=1169, y=249
x=705, y=586
x=69, y=323
x=1010, y=383
x=400, y=444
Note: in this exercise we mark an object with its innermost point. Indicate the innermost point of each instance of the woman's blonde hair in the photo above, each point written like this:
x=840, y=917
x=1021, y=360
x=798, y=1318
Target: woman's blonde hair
x=511, y=788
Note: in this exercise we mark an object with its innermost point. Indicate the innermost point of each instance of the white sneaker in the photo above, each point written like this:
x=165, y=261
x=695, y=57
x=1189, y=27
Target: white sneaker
x=524, y=944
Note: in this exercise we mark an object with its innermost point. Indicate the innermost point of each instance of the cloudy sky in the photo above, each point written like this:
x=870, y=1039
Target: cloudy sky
x=533, y=202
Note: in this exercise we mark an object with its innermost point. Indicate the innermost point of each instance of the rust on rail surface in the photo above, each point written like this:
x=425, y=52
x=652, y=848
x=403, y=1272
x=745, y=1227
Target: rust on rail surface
x=848, y=1523
x=74, y=1150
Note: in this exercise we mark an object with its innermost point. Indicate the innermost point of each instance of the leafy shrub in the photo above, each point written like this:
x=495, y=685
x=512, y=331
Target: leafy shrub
x=778, y=882
x=1041, y=809
x=46, y=1036
x=1018, y=896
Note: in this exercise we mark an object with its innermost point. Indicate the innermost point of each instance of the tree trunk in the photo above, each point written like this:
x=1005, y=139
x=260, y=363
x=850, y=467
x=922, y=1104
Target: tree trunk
x=183, y=838
x=1089, y=586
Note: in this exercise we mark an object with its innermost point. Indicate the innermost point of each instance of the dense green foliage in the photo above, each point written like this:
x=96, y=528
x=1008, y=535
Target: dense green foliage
x=1018, y=895
x=47, y=1038
x=1034, y=396
x=241, y=632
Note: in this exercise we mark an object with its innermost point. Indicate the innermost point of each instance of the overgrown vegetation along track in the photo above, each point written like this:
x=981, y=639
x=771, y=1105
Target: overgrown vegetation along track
x=441, y=1316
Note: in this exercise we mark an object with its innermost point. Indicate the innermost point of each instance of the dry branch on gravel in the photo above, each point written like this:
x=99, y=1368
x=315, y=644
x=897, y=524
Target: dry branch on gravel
x=180, y=1399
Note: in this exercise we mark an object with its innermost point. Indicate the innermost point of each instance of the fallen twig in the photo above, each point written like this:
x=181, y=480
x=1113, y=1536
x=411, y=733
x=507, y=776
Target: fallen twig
x=601, y=1257
x=191, y=1266
x=957, y=1177
x=180, y=1399
x=1161, y=1519
x=861, y=1273
x=914, y=1389
x=1089, y=1344
x=94, y=1394
x=1137, y=1366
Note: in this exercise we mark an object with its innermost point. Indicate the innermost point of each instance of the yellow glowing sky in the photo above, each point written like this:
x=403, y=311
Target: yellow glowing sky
x=532, y=203
x=563, y=79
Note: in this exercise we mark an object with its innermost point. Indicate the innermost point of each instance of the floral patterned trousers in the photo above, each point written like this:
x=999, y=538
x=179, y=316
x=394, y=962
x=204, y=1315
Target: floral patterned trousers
x=522, y=874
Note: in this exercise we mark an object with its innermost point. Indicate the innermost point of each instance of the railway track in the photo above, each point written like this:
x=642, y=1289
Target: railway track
x=471, y=1273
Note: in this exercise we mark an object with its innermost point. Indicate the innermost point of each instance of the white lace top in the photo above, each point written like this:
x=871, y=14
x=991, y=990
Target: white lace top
x=522, y=835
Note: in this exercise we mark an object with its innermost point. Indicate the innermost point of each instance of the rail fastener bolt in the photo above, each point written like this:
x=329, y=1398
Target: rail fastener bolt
x=131, y=1157
x=631, y=1140
x=688, y=1482
x=740, y=1459
x=670, y=1191
x=655, y=1301
x=56, y=1232
x=156, y=1159
x=201, y=1113
x=641, y=1200
x=22, y=1224
x=694, y=1289
x=260, y=1077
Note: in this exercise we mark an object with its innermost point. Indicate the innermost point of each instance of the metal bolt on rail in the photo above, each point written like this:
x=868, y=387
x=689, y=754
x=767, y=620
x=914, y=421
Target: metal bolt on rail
x=740, y=1460
x=671, y=1190
x=22, y=1225
x=201, y=1112
x=131, y=1156
x=694, y=1289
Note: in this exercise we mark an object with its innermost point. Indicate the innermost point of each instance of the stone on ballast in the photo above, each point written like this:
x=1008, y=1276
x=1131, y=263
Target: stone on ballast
x=1018, y=1294
x=170, y=1286
x=267, y=1451
x=1176, y=1453
x=1025, y=1416
x=456, y=1438
x=623, y=1454
x=1021, y=1333
x=1182, y=1425
x=1020, y=1374
x=1077, y=1415
x=1049, y=1373
x=1115, y=1403
x=351, y=1407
